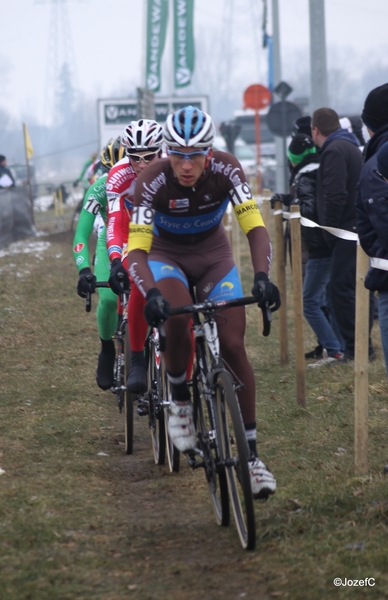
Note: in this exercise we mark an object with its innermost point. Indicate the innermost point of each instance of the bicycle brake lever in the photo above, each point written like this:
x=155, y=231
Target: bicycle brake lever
x=88, y=297
x=162, y=337
x=88, y=300
x=267, y=319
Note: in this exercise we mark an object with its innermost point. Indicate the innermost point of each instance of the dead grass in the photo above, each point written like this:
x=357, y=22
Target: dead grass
x=78, y=524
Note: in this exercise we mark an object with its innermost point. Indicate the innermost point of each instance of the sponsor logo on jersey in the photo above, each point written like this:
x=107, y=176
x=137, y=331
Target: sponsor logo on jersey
x=246, y=208
x=227, y=284
x=155, y=184
x=79, y=247
x=167, y=268
x=208, y=287
x=179, y=203
x=233, y=173
x=79, y=261
x=207, y=197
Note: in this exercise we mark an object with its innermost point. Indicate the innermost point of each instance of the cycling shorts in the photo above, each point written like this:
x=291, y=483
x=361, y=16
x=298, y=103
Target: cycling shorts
x=208, y=264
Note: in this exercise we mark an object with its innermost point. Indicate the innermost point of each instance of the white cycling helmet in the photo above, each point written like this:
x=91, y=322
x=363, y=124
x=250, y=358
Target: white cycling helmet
x=189, y=126
x=142, y=135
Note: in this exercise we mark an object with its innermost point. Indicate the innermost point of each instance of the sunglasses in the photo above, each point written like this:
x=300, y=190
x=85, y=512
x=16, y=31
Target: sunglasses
x=146, y=157
x=192, y=156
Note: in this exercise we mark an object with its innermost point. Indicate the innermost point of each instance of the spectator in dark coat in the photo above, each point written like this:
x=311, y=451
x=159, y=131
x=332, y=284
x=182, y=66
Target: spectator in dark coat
x=304, y=160
x=372, y=203
x=338, y=175
x=6, y=177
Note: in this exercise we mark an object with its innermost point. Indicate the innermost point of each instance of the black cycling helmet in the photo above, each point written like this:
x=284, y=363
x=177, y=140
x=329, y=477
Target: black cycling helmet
x=112, y=153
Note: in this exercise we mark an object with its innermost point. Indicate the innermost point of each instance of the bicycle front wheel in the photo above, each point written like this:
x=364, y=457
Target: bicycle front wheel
x=155, y=396
x=235, y=457
x=209, y=441
x=173, y=454
x=128, y=402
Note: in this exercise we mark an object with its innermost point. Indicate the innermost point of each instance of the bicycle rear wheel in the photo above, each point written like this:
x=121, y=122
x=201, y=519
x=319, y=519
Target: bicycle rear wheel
x=173, y=454
x=128, y=396
x=210, y=443
x=235, y=457
x=155, y=397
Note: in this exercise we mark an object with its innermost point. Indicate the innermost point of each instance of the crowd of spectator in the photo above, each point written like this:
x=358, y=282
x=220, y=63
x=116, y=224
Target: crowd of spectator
x=340, y=181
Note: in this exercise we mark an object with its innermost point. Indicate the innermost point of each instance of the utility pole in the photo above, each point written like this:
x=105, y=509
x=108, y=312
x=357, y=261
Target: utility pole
x=318, y=69
x=281, y=180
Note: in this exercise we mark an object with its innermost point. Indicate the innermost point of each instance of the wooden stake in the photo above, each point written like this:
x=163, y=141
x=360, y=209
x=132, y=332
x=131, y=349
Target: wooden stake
x=297, y=283
x=265, y=207
x=281, y=283
x=361, y=366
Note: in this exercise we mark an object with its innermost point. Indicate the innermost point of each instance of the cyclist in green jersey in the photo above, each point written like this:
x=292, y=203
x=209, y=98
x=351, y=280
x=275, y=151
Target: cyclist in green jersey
x=84, y=176
x=95, y=203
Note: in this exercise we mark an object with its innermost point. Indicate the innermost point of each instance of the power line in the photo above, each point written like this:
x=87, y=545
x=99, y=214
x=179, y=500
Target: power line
x=65, y=150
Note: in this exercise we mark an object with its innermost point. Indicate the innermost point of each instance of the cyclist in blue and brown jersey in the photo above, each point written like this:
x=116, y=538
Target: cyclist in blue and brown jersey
x=176, y=235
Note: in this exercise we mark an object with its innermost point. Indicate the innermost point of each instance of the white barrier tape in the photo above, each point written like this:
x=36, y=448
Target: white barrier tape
x=379, y=263
x=376, y=263
x=340, y=233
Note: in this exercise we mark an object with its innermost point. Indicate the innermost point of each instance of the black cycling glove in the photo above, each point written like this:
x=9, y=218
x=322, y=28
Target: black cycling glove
x=157, y=308
x=266, y=292
x=86, y=282
x=118, y=278
x=285, y=199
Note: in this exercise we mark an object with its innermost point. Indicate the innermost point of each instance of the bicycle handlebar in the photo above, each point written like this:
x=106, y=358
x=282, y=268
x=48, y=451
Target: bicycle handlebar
x=214, y=305
x=100, y=284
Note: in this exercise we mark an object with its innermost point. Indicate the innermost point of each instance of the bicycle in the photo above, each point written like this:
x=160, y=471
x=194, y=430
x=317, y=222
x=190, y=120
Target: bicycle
x=221, y=450
x=125, y=399
x=155, y=401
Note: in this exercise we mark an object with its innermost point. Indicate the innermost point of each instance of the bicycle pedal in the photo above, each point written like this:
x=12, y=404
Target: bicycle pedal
x=142, y=410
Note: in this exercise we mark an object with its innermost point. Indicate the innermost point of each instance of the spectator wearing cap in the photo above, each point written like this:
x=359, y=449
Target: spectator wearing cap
x=302, y=125
x=6, y=177
x=372, y=203
x=338, y=175
x=304, y=161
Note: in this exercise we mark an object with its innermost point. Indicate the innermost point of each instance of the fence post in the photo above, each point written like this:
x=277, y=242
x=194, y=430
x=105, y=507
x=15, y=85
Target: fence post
x=296, y=250
x=232, y=229
x=281, y=283
x=361, y=366
x=265, y=206
x=236, y=241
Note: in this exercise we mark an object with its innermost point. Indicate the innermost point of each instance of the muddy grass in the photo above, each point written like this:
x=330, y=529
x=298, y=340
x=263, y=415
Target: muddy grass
x=81, y=520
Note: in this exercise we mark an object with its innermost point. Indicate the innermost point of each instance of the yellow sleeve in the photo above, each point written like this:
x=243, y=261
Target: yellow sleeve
x=248, y=215
x=140, y=237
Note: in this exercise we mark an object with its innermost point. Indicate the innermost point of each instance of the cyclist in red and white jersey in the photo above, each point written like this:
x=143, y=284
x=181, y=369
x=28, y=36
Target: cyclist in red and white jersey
x=142, y=141
x=177, y=236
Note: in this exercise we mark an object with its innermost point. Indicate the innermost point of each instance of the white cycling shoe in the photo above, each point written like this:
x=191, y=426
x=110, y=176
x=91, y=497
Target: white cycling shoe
x=180, y=425
x=263, y=483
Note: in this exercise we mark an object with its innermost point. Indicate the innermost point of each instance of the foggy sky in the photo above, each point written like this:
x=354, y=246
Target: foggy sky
x=107, y=39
